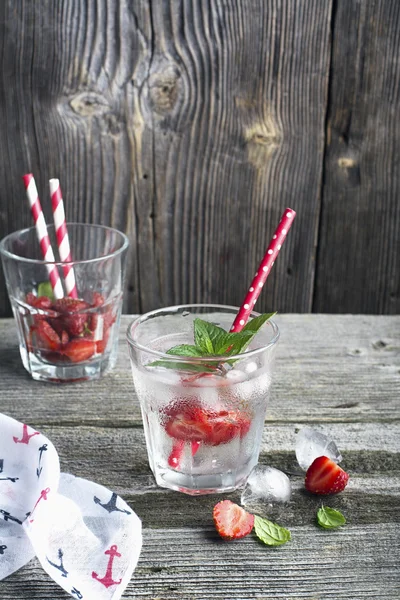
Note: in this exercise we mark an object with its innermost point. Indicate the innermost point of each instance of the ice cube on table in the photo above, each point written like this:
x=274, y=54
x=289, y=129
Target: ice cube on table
x=311, y=443
x=266, y=492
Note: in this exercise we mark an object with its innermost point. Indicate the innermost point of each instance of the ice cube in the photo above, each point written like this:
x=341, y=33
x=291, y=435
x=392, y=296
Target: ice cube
x=267, y=491
x=250, y=367
x=311, y=443
x=235, y=375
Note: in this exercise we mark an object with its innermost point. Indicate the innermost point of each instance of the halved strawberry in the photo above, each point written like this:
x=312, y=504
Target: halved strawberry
x=189, y=424
x=70, y=305
x=232, y=521
x=227, y=424
x=79, y=349
x=44, y=337
x=325, y=477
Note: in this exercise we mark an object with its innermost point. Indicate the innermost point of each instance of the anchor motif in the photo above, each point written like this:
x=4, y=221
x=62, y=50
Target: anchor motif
x=25, y=436
x=77, y=593
x=107, y=580
x=2, y=548
x=8, y=517
x=41, y=450
x=60, y=567
x=111, y=505
x=43, y=496
x=13, y=479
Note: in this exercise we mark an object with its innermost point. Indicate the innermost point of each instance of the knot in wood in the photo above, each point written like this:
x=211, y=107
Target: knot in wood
x=89, y=104
x=262, y=139
x=346, y=163
x=164, y=90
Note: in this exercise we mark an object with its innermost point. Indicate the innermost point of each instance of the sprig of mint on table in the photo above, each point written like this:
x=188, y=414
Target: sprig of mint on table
x=212, y=340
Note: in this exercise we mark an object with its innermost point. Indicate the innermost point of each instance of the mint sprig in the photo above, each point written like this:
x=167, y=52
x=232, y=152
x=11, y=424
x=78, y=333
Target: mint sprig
x=45, y=289
x=212, y=340
x=271, y=533
x=329, y=518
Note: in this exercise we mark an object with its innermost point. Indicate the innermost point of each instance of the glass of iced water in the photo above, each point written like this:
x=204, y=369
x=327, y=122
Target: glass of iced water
x=203, y=417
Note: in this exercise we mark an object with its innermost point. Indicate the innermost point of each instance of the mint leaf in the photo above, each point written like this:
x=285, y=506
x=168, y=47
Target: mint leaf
x=212, y=340
x=207, y=336
x=329, y=518
x=249, y=331
x=185, y=350
x=188, y=351
x=239, y=341
x=271, y=533
x=45, y=289
x=184, y=366
x=255, y=324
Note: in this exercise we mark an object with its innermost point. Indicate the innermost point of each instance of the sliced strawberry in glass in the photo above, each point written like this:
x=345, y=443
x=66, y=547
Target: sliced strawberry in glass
x=79, y=350
x=189, y=425
x=44, y=337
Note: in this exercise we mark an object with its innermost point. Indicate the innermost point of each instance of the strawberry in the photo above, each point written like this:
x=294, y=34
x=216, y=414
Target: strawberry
x=79, y=350
x=64, y=338
x=44, y=337
x=101, y=345
x=97, y=300
x=30, y=299
x=189, y=424
x=325, y=477
x=227, y=424
x=68, y=306
x=73, y=320
x=232, y=521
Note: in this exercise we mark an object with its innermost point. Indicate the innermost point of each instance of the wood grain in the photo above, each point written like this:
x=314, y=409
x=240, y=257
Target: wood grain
x=358, y=249
x=189, y=125
x=341, y=374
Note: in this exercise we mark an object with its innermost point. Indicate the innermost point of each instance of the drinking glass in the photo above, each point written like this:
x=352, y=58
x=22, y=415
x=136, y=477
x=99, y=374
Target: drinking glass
x=68, y=339
x=203, y=417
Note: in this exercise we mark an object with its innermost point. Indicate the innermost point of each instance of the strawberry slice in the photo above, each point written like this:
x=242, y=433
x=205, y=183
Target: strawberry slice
x=97, y=300
x=189, y=424
x=227, y=424
x=72, y=318
x=232, y=521
x=44, y=337
x=79, y=349
x=69, y=306
x=325, y=477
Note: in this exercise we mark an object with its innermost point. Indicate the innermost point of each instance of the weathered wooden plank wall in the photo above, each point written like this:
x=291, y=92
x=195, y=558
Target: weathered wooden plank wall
x=191, y=125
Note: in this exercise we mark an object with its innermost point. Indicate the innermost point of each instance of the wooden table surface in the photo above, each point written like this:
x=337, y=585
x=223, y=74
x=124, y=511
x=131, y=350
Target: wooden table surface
x=338, y=373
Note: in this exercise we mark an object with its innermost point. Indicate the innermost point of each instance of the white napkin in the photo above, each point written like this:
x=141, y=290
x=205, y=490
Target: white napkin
x=85, y=536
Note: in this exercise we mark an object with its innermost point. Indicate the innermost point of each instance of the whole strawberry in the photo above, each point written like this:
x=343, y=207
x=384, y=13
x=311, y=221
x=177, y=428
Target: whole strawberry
x=325, y=477
x=232, y=521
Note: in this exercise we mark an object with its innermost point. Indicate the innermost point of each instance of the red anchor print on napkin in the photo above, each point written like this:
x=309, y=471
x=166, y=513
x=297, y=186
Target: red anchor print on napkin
x=43, y=496
x=25, y=436
x=107, y=580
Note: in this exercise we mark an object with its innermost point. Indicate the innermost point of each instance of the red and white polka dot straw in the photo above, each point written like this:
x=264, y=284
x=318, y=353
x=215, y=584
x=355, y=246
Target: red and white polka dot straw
x=62, y=237
x=263, y=270
x=43, y=236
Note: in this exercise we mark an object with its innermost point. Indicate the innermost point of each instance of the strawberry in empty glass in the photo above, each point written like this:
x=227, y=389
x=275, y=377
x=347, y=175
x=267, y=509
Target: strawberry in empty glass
x=70, y=335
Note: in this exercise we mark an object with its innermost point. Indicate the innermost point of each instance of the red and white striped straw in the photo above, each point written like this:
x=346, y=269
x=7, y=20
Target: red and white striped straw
x=264, y=270
x=62, y=237
x=43, y=236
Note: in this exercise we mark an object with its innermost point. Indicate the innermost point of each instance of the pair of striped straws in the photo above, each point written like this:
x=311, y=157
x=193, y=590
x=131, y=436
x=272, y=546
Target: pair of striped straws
x=61, y=236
